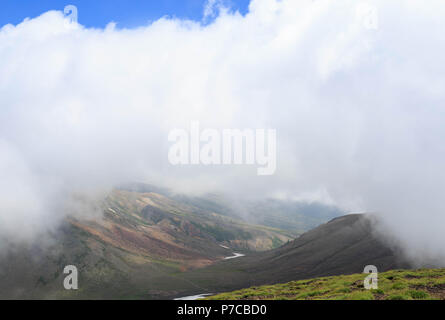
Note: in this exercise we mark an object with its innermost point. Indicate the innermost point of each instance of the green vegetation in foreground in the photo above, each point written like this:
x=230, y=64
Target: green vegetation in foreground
x=392, y=285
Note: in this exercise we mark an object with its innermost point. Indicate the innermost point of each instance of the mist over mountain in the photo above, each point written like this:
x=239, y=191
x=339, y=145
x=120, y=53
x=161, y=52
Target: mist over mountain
x=143, y=246
x=295, y=216
x=149, y=246
x=357, y=107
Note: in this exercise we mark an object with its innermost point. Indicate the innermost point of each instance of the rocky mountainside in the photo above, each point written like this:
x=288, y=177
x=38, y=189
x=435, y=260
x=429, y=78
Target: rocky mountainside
x=137, y=249
x=151, y=245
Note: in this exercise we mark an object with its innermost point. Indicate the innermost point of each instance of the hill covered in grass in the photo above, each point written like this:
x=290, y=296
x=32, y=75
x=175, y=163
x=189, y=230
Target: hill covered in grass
x=392, y=285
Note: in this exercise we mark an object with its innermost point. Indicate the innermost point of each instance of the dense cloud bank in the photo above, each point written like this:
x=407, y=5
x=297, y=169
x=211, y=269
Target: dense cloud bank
x=355, y=92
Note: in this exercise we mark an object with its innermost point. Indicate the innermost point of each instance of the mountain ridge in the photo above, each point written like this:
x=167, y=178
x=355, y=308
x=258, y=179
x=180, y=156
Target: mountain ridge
x=344, y=245
x=152, y=246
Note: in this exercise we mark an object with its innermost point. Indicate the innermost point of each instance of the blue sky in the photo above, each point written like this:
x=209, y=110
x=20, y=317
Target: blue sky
x=97, y=13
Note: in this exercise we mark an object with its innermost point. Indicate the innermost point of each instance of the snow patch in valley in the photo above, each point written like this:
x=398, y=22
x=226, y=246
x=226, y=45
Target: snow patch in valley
x=236, y=255
x=196, y=297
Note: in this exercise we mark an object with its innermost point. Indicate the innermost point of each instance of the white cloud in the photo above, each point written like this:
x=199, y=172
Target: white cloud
x=358, y=111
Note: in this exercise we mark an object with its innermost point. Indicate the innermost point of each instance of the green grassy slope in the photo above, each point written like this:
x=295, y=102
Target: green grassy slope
x=392, y=285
